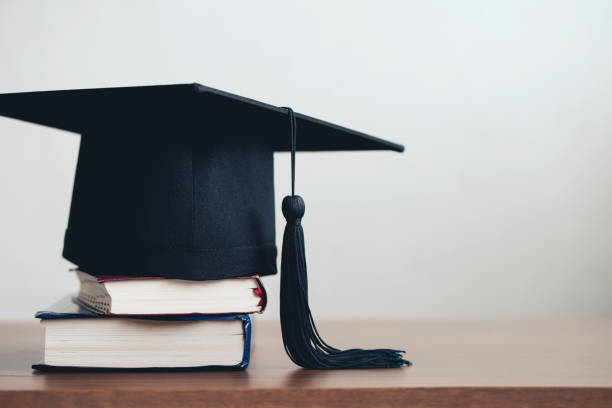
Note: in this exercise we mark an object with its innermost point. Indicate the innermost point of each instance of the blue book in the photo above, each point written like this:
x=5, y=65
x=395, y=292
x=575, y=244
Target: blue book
x=77, y=338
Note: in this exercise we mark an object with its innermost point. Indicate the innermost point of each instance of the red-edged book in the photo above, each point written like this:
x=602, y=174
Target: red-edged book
x=116, y=295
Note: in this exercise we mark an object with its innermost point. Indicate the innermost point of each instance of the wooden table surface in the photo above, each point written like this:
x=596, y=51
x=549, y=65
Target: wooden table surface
x=456, y=364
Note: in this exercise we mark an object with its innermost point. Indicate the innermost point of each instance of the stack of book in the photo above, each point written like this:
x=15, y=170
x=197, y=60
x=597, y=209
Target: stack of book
x=152, y=323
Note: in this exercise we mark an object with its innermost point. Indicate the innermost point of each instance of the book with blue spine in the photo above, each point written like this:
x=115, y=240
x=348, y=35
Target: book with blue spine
x=77, y=338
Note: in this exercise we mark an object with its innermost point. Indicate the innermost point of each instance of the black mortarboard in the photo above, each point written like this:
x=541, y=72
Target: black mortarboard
x=176, y=181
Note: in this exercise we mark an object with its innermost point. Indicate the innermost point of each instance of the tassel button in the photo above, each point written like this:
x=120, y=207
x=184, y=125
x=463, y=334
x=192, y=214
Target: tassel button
x=293, y=209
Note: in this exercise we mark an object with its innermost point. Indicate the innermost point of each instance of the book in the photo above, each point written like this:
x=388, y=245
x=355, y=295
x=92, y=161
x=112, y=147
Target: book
x=79, y=339
x=114, y=295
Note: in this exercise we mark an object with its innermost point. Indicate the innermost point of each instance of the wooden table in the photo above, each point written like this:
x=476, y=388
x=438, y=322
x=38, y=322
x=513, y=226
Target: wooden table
x=456, y=364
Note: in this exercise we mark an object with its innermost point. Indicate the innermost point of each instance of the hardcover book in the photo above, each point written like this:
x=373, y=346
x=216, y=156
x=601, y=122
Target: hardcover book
x=79, y=339
x=120, y=295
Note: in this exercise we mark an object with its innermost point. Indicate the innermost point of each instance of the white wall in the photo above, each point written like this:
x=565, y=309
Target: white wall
x=501, y=205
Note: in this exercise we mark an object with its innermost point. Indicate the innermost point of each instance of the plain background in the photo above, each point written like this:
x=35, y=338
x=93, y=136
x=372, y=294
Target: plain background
x=501, y=205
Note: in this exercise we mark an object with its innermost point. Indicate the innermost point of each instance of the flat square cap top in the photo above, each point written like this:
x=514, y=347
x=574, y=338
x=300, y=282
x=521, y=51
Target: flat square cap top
x=193, y=106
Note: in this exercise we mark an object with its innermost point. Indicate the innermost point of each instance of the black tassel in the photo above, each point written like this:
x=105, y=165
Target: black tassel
x=302, y=341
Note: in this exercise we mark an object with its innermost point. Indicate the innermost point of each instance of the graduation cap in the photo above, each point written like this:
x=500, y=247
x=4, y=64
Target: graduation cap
x=176, y=181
